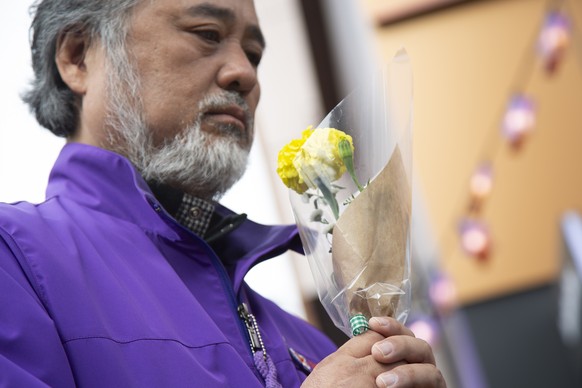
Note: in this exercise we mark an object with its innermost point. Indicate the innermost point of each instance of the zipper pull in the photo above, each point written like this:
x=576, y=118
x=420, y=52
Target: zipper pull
x=256, y=342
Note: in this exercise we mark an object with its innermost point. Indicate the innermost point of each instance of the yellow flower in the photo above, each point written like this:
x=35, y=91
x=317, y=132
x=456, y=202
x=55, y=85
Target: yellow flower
x=285, y=167
x=320, y=156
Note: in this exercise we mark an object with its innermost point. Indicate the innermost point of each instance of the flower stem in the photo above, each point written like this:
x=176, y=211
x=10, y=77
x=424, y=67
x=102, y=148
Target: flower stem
x=329, y=196
x=347, y=155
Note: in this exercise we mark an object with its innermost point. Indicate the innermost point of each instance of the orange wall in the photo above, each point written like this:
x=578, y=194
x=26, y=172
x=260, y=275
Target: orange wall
x=465, y=61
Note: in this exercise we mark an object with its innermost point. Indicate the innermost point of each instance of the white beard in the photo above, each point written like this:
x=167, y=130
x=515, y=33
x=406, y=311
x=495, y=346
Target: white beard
x=202, y=164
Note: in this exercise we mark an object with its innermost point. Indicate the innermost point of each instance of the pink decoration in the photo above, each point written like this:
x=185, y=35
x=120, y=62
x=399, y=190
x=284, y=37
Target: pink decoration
x=480, y=185
x=482, y=181
x=475, y=238
x=553, y=40
x=425, y=328
x=519, y=120
x=443, y=294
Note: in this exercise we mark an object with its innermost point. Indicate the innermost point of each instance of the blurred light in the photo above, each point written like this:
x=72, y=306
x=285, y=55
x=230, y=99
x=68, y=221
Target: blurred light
x=482, y=181
x=443, y=294
x=480, y=185
x=553, y=40
x=519, y=120
x=475, y=238
x=425, y=328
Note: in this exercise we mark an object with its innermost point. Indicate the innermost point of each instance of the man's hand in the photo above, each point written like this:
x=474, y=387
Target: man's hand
x=388, y=355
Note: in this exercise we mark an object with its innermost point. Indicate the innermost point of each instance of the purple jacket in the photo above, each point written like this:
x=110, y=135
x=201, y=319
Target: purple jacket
x=100, y=287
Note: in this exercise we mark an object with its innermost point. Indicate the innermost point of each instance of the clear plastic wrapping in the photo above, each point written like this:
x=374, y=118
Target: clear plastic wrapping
x=351, y=181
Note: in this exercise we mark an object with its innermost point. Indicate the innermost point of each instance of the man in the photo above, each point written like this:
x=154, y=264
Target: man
x=113, y=281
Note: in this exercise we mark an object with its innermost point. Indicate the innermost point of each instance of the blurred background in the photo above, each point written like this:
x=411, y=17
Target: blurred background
x=497, y=233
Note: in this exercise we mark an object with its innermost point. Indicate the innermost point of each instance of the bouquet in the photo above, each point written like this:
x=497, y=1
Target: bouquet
x=350, y=190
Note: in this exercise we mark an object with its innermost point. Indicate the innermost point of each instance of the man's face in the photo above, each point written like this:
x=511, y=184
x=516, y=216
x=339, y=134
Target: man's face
x=187, y=50
x=182, y=98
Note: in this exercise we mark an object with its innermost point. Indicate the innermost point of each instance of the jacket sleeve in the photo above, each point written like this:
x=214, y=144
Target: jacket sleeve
x=31, y=352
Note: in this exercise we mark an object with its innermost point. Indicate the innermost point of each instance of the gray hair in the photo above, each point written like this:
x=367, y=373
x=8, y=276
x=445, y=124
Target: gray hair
x=54, y=105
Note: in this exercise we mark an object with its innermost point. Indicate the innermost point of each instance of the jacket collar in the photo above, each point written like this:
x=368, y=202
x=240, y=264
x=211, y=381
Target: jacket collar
x=252, y=243
x=107, y=182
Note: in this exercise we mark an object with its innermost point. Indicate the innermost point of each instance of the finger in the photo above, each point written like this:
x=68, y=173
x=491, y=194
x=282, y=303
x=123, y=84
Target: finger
x=361, y=345
x=369, y=366
x=412, y=375
x=403, y=348
x=389, y=326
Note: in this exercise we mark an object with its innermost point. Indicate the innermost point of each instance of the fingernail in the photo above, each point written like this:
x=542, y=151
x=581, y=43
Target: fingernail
x=380, y=321
x=385, y=348
x=389, y=379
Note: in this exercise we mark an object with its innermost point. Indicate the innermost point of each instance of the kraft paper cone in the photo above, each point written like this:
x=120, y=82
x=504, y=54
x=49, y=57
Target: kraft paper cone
x=369, y=244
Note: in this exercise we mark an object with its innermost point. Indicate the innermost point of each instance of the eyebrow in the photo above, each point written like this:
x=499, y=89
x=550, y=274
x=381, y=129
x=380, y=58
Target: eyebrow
x=228, y=16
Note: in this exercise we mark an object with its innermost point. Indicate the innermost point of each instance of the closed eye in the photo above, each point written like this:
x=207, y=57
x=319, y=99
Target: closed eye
x=254, y=57
x=212, y=36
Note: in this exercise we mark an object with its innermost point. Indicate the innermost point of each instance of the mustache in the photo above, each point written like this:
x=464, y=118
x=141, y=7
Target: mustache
x=224, y=100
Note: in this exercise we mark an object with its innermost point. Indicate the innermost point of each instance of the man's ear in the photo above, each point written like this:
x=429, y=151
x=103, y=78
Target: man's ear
x=70, y=59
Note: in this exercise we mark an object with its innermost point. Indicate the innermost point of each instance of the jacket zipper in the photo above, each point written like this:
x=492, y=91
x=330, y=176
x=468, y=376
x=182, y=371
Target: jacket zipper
x=243, y=325
x=255, y=338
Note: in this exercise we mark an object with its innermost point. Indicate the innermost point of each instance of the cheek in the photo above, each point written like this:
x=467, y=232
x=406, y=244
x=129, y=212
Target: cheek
x=254, y=98
x=169, y=101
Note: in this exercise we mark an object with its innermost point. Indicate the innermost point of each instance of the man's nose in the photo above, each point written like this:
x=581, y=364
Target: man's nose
x=237, y=73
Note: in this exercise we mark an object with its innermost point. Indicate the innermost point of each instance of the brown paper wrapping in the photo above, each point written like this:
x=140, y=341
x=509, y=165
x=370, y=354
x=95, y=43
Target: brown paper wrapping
x=370, y=243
